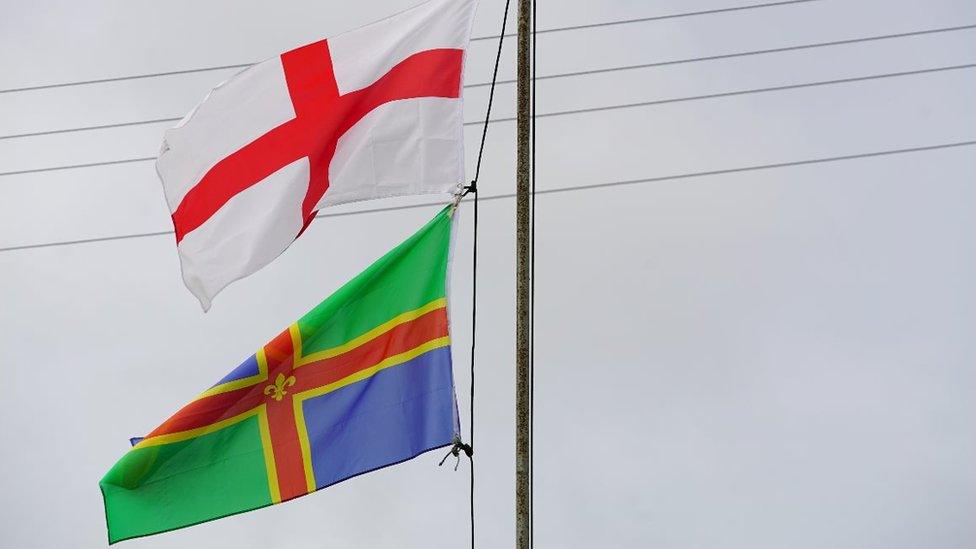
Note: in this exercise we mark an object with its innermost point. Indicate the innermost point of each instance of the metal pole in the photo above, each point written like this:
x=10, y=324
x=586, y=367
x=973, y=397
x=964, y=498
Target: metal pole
x=522, y=283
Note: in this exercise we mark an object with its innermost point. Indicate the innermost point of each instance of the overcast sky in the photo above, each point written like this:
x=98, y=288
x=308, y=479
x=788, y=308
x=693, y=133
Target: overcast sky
x=779, y=358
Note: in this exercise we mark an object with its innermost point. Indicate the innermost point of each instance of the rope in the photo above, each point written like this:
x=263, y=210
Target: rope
x=474, y=334
x=491, y=98
x=473, y=189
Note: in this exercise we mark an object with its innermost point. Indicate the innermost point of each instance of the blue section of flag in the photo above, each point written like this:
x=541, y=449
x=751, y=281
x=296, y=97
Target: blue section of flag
x=390, y=417
x=247, y=368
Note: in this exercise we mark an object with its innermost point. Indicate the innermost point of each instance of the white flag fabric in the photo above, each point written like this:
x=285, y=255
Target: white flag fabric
x=372, y=113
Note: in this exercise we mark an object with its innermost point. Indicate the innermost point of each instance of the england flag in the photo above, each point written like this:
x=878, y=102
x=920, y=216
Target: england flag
x=372, y=113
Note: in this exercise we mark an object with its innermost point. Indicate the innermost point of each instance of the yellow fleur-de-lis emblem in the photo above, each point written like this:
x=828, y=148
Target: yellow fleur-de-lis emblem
x=277, y=391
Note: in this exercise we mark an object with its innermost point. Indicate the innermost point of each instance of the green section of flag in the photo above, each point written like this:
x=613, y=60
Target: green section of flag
x=398, y=282
x=159, y=488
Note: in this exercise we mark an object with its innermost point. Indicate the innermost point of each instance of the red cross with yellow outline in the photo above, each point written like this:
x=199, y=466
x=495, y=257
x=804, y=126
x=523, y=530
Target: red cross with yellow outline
x=286, y=378
x=322, y=116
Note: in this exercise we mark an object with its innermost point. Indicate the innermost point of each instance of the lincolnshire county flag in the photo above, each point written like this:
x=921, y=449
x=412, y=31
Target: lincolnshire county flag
x=362, y=381
x=375, y=112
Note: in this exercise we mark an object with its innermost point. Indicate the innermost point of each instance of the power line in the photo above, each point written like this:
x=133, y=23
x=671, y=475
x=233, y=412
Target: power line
x=675, y=16
x=91, y=128
x=565, y=74
x=124, y=78
x=585, y=110
x=747, y=92
x=743, y=54
x=154, y=121
x=79, y=166
x=146, y=122
x=475, y=39
x=560, y=190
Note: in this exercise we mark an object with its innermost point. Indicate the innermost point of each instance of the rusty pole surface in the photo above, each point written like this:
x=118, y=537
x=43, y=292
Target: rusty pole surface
x=522, y=283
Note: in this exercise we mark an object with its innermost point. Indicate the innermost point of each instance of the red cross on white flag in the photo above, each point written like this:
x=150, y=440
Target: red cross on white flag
x=372, y=113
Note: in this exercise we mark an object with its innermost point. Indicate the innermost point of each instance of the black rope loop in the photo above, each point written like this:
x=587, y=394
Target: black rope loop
x=456, y=450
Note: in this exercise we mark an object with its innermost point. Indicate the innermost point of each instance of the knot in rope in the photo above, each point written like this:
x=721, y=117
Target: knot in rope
x=456, y=450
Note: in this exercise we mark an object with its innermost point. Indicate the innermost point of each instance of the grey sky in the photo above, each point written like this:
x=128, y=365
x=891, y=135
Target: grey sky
x=768, y=359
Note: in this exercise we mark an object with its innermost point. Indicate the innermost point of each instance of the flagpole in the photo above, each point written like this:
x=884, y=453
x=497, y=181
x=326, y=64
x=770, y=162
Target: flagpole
x=523, y=511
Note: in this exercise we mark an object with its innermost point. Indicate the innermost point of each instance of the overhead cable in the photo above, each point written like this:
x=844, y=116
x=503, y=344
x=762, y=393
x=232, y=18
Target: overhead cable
x=475, y=39
x=584, y=110
x=560, y=190
x=571, y=74
x=745, y=92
